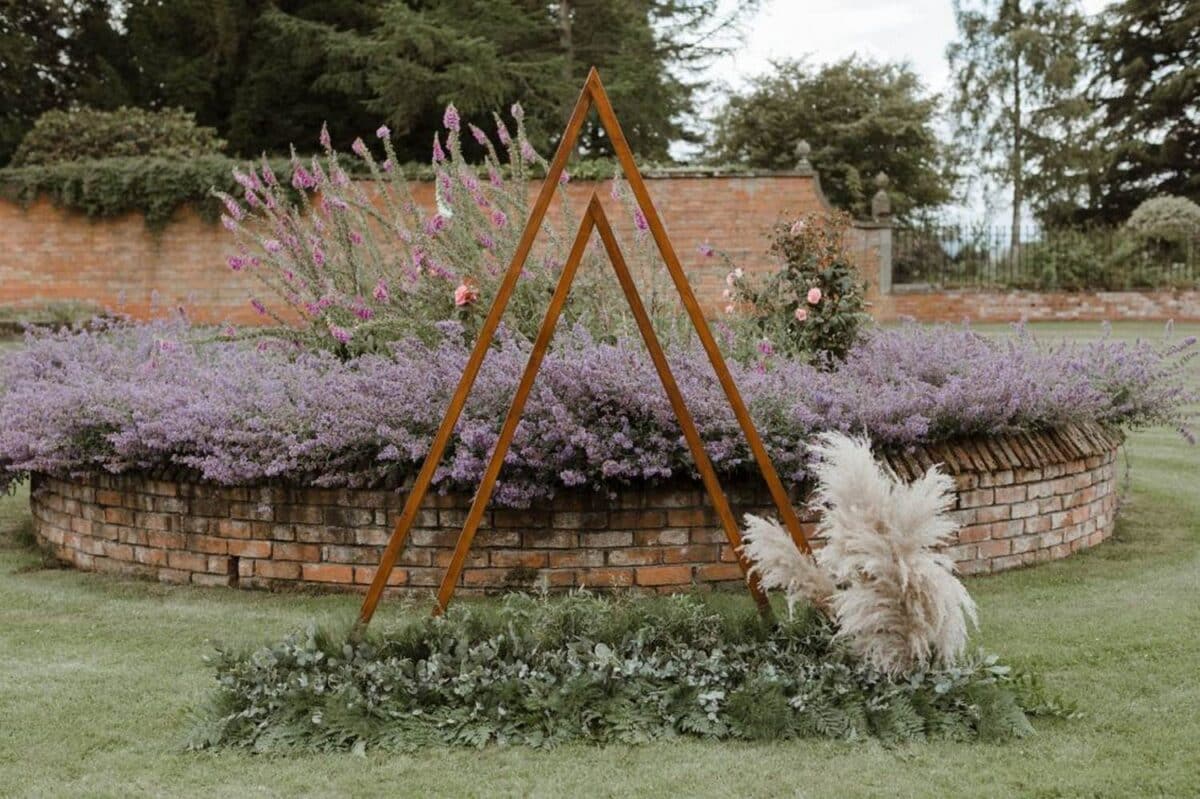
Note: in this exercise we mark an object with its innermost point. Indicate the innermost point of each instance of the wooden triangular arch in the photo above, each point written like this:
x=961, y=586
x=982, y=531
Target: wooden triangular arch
x=594, y=220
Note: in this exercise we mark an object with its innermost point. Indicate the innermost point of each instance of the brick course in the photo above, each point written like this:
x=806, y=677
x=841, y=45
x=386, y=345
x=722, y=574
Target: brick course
x=1022, y=499
x=1038, y=306
x=50, y=254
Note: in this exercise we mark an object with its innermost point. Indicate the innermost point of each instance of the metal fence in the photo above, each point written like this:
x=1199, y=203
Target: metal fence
x=968, y=256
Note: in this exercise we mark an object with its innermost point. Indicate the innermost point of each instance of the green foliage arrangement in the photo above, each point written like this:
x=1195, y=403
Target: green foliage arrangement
x=542, y=672
x=813, y=306
x=84, y=133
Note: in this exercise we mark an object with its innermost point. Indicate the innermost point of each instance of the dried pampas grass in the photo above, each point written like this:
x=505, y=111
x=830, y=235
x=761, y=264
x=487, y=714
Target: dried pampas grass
x=894, y=598
x=780, y=564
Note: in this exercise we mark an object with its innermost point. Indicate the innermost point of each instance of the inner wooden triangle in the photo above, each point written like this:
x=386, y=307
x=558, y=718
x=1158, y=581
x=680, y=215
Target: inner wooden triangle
x=594, y=220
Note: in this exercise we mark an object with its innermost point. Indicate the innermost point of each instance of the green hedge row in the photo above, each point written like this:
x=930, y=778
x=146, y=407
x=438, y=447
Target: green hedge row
x=158, y=187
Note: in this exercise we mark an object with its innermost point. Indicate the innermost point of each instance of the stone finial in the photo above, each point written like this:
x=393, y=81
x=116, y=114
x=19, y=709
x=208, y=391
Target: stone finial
x=881, y=203
x=802, y=151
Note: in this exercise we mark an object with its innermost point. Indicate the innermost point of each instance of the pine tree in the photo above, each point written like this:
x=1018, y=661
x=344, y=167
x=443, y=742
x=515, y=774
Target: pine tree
x=1149, y=51
x=1018, y=67
x=34, y=35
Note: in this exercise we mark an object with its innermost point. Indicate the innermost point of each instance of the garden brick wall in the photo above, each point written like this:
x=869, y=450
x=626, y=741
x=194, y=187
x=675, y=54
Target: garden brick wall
x=1022, y=499
x=1034, y=306
x=49, y=254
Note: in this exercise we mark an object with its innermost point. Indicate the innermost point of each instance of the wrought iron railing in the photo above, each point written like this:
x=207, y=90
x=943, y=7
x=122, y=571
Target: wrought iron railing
x=970, y=256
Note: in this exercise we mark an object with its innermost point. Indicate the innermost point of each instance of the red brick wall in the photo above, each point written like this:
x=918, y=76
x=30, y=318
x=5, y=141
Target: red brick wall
x=48, y=254
x=1021, y=500
x=1033, y=306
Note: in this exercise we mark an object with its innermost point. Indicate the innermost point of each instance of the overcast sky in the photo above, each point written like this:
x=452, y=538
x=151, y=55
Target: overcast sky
x=916, y=31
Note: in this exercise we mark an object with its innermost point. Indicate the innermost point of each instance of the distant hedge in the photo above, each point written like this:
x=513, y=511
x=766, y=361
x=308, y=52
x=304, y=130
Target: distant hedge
x=84, y=134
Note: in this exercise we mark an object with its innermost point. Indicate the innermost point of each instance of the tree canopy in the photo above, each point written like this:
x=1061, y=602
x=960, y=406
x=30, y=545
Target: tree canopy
x=267, y=73
x=1148, y=93
x=860, y=118
x=1017, y=72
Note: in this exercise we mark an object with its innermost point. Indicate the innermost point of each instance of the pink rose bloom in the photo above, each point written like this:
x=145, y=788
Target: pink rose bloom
x=801, y=314
x=814, y=295
x=465, y=295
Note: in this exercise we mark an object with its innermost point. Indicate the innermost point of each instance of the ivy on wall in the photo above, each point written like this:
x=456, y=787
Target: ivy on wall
x=158, y=187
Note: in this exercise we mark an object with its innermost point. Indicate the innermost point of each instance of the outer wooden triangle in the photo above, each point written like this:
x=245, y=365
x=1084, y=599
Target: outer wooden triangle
x=594, y=219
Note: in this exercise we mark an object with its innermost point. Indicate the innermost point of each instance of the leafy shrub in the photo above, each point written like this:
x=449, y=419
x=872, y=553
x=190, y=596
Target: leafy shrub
x=1173, y=219
x=541, y=673
x=1065, y=260
x=812, y=306
x=128, y=398
x=84, y=133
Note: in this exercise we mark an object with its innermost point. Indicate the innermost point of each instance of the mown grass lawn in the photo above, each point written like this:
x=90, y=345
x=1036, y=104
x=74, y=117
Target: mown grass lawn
x=96, y=675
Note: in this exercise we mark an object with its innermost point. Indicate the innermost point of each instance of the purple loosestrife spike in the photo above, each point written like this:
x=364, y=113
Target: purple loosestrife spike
x=234, y=209
x=527, y=151
x=383, y=132
x=503, y=134
x=450, y=118
x=326, y=143
x=478, y=134
x=498, y=218
x=388, y=166
x=258, y=306
x=301, y=179
x=439, y=155
x=360, y=148
x=639, y=220
x=380, y=293
x=340, y=334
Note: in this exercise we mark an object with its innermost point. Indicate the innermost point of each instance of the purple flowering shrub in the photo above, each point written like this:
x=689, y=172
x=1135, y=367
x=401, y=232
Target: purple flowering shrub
x=128, y=398
x=355, y=265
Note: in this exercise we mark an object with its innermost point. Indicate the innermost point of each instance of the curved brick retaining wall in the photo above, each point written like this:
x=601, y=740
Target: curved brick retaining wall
x=1022, y=499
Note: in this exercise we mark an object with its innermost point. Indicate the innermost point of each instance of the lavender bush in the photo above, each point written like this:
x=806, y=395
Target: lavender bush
x=124, y=398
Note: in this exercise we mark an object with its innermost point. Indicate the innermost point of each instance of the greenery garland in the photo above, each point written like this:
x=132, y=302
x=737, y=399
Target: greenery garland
x=158, y=187
x=542, y=672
